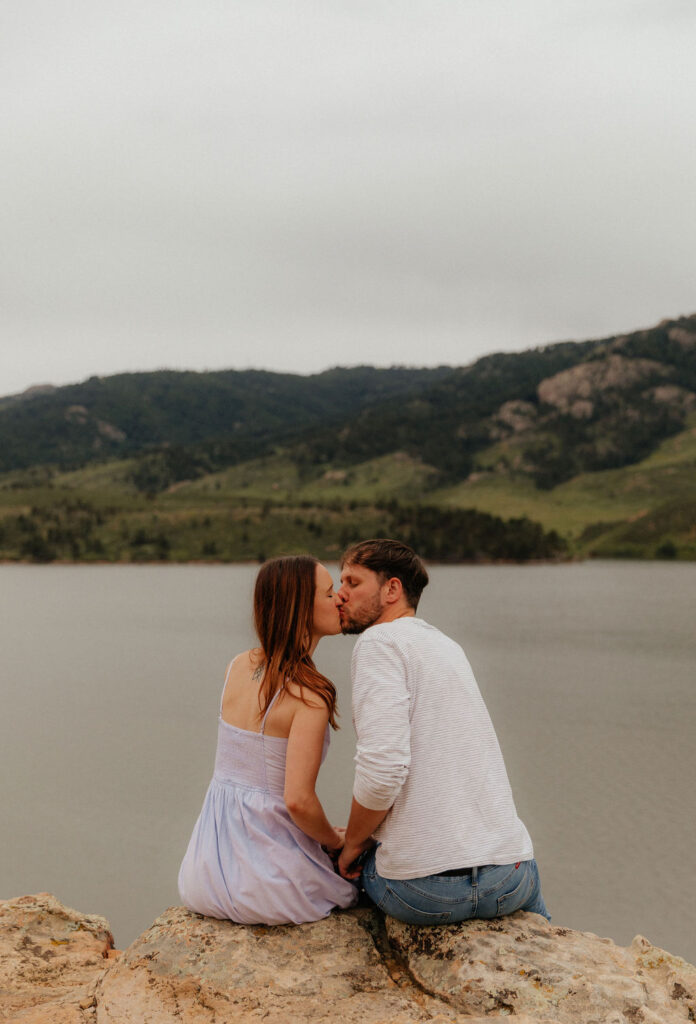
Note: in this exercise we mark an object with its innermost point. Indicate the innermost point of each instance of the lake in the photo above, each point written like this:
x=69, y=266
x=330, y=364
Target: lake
x=111, y=678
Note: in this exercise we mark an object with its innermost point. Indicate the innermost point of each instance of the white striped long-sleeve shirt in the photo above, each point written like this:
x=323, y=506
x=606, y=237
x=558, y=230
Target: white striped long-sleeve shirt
x=427, y=749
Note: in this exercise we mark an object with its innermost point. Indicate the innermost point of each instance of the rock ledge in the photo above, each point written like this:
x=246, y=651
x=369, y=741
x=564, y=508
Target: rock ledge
x=57, y=967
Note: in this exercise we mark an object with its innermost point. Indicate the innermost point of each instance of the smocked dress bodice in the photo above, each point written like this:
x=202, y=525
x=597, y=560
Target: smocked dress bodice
x=252, y=760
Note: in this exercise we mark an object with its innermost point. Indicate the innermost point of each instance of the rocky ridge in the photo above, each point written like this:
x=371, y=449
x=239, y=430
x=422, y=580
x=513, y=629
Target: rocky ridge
x=58, y=966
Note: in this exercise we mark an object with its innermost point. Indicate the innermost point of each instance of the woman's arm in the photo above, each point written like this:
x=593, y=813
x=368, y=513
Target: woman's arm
x=303, y=759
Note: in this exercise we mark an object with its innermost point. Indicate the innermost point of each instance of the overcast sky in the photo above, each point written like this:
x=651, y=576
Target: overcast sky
x=296, y=184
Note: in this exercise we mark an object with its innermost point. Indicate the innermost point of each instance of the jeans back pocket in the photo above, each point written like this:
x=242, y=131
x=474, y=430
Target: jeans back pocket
x=395, y=905
x=517, y=897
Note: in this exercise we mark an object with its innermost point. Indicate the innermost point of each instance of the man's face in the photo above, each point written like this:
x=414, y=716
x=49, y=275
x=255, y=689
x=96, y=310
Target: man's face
x=361, y=596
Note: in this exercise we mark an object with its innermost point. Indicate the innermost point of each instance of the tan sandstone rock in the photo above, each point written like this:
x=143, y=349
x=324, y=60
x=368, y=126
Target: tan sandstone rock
x=523, y=965
x=197, y=969
x=51, y=958
x=355, y=967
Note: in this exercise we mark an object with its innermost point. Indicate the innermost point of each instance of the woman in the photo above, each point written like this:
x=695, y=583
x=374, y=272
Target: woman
x=256, y=854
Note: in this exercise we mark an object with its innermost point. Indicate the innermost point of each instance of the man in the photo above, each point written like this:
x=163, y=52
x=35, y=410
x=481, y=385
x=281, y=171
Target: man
x=430, y=782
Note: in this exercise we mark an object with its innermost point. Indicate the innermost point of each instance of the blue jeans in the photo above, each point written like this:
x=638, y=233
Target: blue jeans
x=487, y=892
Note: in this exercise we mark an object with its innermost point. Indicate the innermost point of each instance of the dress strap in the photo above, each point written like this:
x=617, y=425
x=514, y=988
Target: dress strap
x=273, y=700
x=224, y=685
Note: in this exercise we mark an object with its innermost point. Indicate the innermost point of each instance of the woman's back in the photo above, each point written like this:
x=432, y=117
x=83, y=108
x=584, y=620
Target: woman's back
x=240, y=705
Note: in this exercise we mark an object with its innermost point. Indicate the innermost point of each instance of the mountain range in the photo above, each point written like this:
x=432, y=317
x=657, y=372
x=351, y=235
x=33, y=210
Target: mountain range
x=595, y=440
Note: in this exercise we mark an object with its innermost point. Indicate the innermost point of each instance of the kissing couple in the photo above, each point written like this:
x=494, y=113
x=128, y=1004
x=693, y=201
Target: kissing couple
x=433, y=835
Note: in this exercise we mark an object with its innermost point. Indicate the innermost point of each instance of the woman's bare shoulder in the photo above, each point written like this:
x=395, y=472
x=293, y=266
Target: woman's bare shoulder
x=245, y=660
x=304, y=696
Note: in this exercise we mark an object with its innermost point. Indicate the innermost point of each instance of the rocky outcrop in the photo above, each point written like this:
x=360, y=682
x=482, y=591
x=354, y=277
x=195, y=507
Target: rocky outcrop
x=51, y=958
x=672, y=394
x=110, y=432
x=355, y=967
x=515, y=416
x=684, y=336
x=523, y=966
x=76, y=414
x=573, y=391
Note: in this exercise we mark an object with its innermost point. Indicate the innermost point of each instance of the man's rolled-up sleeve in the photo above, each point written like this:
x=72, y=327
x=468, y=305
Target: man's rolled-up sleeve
x=381, y=719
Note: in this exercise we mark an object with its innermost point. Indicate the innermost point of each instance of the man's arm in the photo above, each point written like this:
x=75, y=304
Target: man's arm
x=383, y=756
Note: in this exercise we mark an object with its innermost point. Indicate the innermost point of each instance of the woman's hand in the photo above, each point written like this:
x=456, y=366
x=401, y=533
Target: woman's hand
x=335, y=848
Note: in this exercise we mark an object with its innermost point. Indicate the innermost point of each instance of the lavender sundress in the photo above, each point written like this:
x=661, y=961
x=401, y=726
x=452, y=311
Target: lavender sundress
x=247, y=861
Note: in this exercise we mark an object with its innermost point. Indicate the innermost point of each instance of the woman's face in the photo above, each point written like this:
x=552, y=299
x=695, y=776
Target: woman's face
x=326, y=620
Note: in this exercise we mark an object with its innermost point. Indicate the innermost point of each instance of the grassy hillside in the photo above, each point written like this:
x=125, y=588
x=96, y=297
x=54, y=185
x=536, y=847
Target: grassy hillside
x=599, y=513
x=56, y=524
x=264, y=507
x=277, y=478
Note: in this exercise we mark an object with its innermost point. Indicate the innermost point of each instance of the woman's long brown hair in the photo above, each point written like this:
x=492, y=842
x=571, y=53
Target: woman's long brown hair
x=283, y=617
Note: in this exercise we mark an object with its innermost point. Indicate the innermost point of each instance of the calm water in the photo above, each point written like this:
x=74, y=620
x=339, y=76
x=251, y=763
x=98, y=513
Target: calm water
x=111, y=678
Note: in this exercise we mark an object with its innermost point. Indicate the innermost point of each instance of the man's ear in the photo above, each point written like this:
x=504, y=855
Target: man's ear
x=394, y=590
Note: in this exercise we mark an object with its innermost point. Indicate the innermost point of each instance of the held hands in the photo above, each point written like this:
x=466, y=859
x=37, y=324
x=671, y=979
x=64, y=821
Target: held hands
x=361, y=828
x=347, y=861
x=345, y=857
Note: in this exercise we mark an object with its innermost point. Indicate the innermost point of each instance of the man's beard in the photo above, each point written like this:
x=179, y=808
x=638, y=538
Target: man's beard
x=363, y=619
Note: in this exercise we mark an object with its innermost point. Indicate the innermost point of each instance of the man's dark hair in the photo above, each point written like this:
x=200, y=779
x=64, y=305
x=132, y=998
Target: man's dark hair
x=391, y=558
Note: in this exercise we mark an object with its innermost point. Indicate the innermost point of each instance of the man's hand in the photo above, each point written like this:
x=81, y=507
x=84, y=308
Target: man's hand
x=361, y=825
x=349, y=855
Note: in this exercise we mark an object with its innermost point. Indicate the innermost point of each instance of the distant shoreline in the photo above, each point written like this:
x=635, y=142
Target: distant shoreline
x=206, y=563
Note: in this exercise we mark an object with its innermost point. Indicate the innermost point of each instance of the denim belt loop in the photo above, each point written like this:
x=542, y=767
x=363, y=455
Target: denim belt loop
x=474, y=877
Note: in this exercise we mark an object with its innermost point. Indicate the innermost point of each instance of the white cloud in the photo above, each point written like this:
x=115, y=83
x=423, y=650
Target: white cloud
x=205, y=184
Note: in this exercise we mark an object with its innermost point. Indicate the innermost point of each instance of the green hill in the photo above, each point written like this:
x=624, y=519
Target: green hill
x=205, y=419
x=605, y=513
x=576, y=449
x=549, y=413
